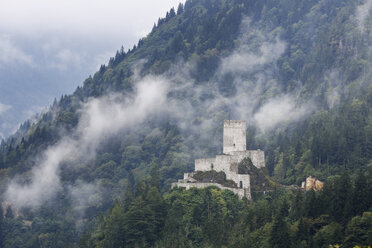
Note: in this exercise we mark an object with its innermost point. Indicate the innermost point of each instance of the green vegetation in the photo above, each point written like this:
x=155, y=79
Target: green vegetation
x=214, y=177
x=325, y=62
x=214, y=218
x=260, y=181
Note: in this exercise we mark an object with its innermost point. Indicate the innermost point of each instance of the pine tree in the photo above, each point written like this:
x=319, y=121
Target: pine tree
x=155, y=177
x=114, y=231
x=279, y=236
x=180, y=9
x=360, y=196
x=138, y=225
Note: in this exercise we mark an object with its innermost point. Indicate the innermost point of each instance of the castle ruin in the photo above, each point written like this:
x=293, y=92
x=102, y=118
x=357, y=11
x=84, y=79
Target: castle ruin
x=234, y=151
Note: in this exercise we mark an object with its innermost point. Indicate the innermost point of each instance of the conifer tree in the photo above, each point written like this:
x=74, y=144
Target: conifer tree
x=279, y=236
x=360, y=196
x=180, y=9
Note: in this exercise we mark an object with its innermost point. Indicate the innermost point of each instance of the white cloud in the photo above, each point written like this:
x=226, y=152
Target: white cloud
x=84, y=195
x=362, y=13
x=256, y=49
x=244, y=60
x=10, y=53
x=84, y=17
x=335, y=88
x=280, y=110
x=101, y=118
x=104, y=117
x=45, y=39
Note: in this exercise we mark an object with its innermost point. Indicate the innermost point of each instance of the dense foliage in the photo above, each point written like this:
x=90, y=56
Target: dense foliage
x=325, y=62
x=340, y=214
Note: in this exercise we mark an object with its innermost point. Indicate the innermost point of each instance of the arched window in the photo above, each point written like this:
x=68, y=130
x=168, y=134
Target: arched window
x=241, y=184
x=212, y=166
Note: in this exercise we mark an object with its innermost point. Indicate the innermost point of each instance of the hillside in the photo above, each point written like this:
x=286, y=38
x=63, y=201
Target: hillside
x=296, y=71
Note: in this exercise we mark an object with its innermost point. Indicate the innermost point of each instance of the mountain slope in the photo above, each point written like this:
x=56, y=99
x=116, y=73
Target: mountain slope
x=297, y=71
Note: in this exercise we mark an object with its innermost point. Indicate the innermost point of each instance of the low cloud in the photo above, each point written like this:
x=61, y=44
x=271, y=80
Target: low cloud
x=245, y=60
x=362, y=13
x=280, y=110
x=101, y=119
x=84, y=195
x=256, y=95
x=195, y=108
x=51, y=47
x=335, y=88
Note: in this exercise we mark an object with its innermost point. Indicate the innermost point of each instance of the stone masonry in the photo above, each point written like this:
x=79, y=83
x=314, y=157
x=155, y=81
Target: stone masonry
x=234, y=151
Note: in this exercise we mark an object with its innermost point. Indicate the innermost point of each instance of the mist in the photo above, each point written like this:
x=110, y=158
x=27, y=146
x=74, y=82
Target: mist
x=362, y=13
x=279, y=110
x=255, y=97
x=101, y=119
x=48, y=48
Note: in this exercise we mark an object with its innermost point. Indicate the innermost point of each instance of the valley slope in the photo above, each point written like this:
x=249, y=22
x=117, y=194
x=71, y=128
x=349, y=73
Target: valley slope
x=296, y=71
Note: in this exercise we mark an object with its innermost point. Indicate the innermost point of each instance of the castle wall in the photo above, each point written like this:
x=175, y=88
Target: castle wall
x=240, y=192
x=234, y=136
x=188, y=175
x=242, y=181
x=222, y=163
x=234, y=151
x=257, y=156
x=205, y=164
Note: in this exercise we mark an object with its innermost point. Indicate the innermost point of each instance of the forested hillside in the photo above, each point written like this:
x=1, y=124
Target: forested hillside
x=95, y=169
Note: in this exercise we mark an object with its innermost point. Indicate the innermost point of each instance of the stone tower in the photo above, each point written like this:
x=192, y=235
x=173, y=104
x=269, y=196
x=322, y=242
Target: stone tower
x=234, y=151
x=234, y=136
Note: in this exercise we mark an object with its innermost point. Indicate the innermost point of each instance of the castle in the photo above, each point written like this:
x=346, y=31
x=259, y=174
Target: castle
x=234, y=151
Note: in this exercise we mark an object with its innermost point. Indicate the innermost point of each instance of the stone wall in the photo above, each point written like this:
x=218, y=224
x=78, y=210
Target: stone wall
x=234, y=136
x=257, y=157
x=240, y=192
x=243, y=181
x=223, y=163
x=188, y=175
x=234, y=151
x=205, y=164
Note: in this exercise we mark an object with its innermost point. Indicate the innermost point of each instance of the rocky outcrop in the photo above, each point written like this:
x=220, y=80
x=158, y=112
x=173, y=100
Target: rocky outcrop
x=312, y=183
x=259, y=181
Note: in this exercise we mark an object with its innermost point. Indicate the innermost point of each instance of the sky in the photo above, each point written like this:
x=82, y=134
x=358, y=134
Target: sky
x=48, y=47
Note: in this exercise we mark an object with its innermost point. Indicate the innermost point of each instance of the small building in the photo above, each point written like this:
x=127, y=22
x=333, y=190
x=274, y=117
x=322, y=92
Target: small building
x=234, y=151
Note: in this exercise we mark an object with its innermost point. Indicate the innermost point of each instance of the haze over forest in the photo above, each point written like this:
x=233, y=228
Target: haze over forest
x=48, y=48
x=94, y=169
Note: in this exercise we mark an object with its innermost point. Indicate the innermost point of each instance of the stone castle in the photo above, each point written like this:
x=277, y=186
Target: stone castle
x=234, y=151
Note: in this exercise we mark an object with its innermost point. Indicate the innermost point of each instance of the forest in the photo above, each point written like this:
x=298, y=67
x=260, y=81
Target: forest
x=214, y=218
x=296, y=71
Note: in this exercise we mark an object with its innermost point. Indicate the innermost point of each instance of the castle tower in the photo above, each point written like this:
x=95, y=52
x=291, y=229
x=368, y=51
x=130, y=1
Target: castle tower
x=234, y=152
x=234, y=136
